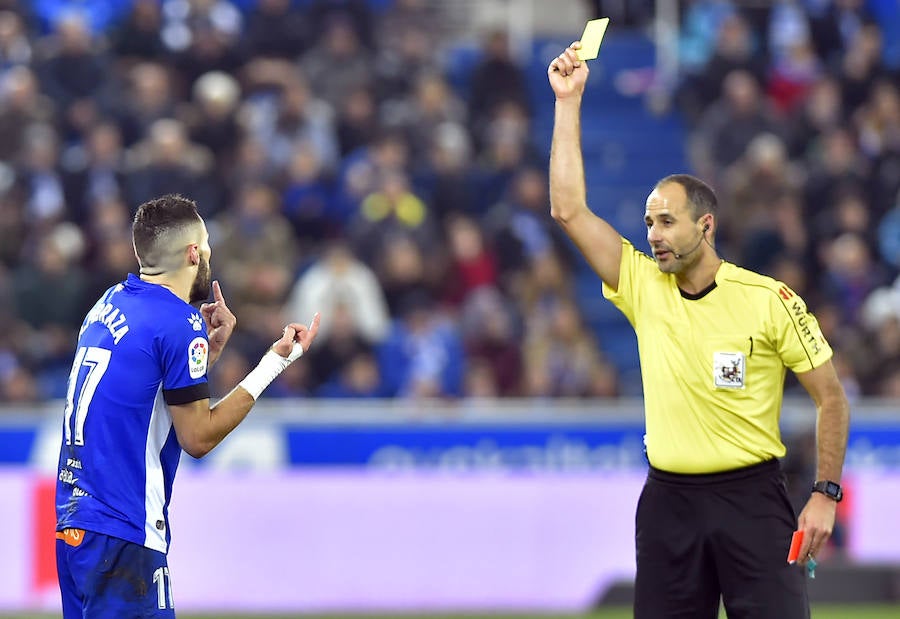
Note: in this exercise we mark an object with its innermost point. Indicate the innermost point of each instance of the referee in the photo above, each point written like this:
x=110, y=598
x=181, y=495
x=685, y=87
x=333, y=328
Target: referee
x=714, y=519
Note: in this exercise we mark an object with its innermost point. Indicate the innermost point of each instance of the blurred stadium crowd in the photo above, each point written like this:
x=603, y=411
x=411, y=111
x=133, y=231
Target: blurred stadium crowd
x=794, y=111
x=340, y=169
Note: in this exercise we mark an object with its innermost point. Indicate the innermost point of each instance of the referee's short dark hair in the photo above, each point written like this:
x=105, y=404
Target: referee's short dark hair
x=700, y=196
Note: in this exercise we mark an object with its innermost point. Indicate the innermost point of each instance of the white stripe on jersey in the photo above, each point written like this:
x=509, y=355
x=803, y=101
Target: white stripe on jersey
x=154, y=490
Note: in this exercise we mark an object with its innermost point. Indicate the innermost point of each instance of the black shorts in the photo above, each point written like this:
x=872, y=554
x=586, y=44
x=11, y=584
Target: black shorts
x=727, y=534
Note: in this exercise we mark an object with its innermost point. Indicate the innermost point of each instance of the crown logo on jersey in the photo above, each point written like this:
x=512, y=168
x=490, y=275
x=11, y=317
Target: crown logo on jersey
x=196, y=322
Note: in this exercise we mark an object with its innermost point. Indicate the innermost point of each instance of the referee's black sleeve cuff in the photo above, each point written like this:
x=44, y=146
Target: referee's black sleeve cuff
x=186, y=395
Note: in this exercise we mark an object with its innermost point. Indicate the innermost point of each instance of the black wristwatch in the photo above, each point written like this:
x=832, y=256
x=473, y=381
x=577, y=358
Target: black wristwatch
x=829, y=489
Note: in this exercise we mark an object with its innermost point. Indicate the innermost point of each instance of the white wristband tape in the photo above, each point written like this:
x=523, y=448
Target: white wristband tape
x=269, y=367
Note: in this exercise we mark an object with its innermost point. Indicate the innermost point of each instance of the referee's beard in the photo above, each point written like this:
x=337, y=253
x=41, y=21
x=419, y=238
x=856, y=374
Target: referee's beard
x=200, y=287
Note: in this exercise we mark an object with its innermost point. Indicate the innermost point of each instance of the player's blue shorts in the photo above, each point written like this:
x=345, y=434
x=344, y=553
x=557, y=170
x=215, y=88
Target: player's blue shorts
x=103, y=577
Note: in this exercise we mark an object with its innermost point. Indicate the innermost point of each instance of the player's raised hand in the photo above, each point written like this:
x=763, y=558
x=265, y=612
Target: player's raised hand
x=296, y=334
x=568, y=74
x=220, y=322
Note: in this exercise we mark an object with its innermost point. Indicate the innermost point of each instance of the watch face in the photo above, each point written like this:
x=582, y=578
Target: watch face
x=832, y=488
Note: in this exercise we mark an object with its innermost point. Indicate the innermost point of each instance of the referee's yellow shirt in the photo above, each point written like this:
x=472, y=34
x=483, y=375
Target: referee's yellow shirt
x=713, y=366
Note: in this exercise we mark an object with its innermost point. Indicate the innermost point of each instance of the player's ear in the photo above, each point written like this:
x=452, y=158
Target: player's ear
x=194, y=254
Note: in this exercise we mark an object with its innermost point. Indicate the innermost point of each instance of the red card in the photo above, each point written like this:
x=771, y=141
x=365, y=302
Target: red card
x=796, y=542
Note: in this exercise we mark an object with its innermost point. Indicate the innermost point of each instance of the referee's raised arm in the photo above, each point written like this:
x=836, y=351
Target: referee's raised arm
x=597, y=240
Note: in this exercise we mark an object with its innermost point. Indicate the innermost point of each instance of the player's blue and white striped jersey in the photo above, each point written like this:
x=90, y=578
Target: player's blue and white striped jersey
x=139, y=349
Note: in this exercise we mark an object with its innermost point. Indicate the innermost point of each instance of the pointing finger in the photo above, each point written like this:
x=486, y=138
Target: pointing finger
x=314, y=325
x=217, y=292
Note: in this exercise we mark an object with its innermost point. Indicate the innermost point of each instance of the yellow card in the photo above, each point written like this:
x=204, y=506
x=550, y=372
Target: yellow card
x=591, y=38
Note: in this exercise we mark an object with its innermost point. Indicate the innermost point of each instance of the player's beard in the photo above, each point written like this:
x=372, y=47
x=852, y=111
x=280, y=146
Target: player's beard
x=200, y=287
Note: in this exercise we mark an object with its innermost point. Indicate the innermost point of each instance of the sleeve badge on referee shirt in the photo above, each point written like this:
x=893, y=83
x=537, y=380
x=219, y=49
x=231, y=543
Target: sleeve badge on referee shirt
x=728, y=370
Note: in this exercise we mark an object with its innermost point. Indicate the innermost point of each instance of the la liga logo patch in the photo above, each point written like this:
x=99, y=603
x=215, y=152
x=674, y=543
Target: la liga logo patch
x=198, y=357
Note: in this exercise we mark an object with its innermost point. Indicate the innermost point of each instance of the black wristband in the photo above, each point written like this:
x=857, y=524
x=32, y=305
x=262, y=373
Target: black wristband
x=830, y=489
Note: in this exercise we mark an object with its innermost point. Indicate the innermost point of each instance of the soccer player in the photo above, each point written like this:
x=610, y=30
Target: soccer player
x=137, y=395
x=715, y=341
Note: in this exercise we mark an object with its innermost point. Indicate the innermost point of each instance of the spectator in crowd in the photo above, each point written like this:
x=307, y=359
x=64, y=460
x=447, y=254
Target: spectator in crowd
x=257, y=255
x=491, y=335
x=21, y=105
x=167, y=161
x=213, y=121
x=358, y=120
x=339, y=279
x=540, y=289
x=506, y=149
x=730, y=124
x=519, y=227
x=423, y=355
x=150, y=96
x=15, y=48
x=358, y=377
x=39, y=179
x=401, y=17
x=251, y=165
x=139, y=35
x=14, y=231
x=878, y=128
x=347, y=345
x=290, y=114
x=405, y=55
x=393, y=209
x=432, y=103
x=449, y=181
x=835, y=166
x=792, y=113
x=820, y=112
x=338, y=45
x=753, y=185
x=793, y=75
x=94, y=172
x=203, y=37
x=735, y=49
x=276, y=29
x=308, y=200
x=403, y=272
x=56, y=267
x=74, y=73
x=561, y=358
x=850, y=275
x=834, y=25
x=471, y=266
x=113, y=256
x=880, y=315
x=357, y=14
x=49, y=326
x=861, y=65
x=480, y=381
x=362, y=171
x=496, y=80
